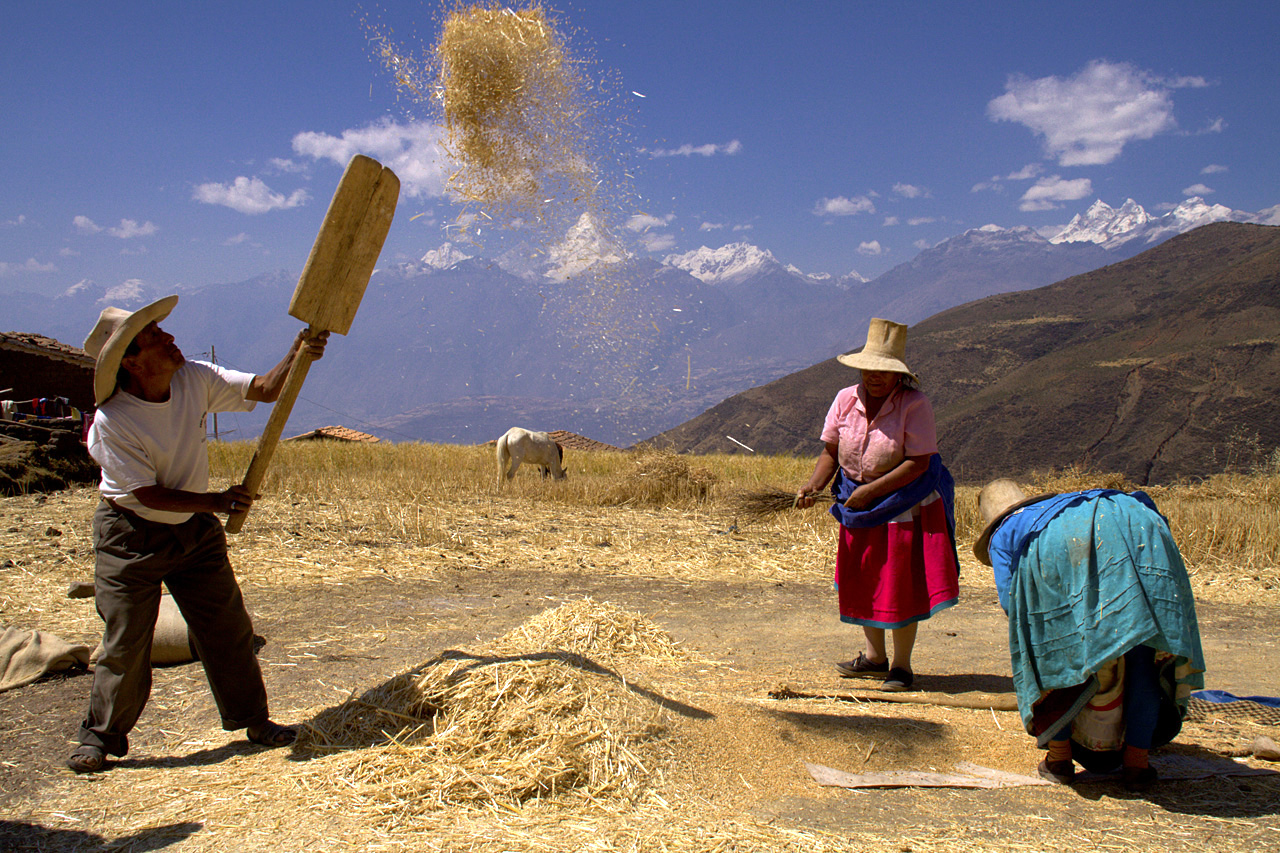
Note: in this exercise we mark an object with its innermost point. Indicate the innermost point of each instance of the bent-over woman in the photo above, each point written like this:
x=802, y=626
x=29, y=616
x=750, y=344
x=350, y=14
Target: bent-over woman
x=1103, y=638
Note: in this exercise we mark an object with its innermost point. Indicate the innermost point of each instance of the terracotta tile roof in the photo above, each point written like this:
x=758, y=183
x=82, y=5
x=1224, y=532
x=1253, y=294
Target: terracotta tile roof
x=336, y=433
x=40, y=345
x=573, y=441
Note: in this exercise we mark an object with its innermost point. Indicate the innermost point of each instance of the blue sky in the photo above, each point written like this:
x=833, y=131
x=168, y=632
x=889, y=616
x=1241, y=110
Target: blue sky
x=183, y=144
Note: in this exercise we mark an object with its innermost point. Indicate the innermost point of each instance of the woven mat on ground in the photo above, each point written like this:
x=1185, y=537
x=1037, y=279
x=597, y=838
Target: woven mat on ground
x=1242, y=710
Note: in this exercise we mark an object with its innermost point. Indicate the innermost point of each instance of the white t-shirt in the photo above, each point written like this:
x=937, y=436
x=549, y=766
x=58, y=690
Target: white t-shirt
x=142, y=444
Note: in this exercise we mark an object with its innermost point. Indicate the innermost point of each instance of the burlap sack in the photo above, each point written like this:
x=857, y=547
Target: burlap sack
x=171, y=643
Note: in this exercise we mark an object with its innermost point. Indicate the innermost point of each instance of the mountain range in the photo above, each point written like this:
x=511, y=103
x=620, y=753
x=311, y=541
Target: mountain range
x=588, y=337
x=1160, y=367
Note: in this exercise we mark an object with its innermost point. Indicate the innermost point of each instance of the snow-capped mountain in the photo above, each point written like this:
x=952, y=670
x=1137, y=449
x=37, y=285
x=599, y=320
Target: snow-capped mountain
x=730, y=264
x=1187, y=216
x=445, y=256
x=1102, y=222
x=586, y=244
x=1112, y=228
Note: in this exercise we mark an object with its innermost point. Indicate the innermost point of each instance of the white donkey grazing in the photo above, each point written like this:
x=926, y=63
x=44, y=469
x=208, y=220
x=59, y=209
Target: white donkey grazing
x=537, y=448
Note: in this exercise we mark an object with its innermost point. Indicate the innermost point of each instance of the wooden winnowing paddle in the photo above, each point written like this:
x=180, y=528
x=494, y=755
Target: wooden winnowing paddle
x=331, y=286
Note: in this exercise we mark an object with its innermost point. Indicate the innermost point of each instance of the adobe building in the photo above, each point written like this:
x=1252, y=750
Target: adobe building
x=33, y=366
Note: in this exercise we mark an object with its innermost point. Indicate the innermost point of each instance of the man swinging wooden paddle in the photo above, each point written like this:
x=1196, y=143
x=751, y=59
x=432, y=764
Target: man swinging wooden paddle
x=156, y=524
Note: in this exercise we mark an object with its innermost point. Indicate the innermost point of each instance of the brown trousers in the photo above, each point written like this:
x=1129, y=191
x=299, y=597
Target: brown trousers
x=134, y=556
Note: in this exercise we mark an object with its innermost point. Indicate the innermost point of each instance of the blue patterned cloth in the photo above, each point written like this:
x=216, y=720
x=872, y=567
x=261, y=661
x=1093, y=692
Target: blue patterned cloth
x=936, y=478
x=1088, y=576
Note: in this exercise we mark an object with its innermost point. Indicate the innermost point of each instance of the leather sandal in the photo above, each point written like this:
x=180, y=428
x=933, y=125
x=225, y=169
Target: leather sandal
x=1138, y=778
x=1063, y=772
x=87, y=758
x=271, y=734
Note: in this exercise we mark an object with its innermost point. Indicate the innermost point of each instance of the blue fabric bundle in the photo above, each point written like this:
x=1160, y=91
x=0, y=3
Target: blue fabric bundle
x=1097, y=574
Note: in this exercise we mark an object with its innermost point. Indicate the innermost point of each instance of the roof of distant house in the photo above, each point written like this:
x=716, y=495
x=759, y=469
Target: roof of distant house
x=33, y=344
x=335, y=433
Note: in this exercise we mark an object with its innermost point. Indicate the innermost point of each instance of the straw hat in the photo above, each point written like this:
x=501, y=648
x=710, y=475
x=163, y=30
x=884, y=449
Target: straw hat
x=996, y=501
x=115, y=330
x=886, y=349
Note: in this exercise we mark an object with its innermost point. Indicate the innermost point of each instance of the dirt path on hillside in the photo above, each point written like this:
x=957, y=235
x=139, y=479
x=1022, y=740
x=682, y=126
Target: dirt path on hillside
x=739, y=751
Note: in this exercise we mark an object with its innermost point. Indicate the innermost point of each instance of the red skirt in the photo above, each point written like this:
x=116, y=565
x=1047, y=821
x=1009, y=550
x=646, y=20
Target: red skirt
x=900, y=572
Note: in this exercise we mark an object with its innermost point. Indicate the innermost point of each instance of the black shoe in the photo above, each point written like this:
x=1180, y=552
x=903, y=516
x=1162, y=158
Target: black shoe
x=861, y=665
x=897, y=681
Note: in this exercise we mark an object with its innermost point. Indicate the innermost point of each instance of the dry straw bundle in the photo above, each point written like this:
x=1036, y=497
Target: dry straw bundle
x=518, y=719
x=759, y=504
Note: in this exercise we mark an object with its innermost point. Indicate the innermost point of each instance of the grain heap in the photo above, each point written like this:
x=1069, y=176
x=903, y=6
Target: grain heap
x=518, y=719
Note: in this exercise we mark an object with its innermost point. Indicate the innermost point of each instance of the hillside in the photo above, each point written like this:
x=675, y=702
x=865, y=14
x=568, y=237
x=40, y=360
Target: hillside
x=1159, y=367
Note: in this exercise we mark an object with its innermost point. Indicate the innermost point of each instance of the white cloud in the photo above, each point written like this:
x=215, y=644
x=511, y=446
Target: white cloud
x=921, y=220
x=68, y=252
x=410, y=150
x=711, y=226
x=709, y=150
x=871, y=248
x=1216, y=126
x=285, y=165
x=644, y=221
x=249, y=195
x=1212, y=169
x=1026, y=173
x=126, y=230
x=659, y=242
x=31, y=265
x=1046, y=192
x=1197, y=189
x=984, y=186
x=236, y=240
x=841, y=206
x=1269, y=216
x=890, y=221
x=14, y=223
x=1088, y=118
x=911, y=191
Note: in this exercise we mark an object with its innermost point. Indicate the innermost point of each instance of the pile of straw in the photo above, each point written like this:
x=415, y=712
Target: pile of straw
x=661, y=478
x=516, y=720
x=759, y=504
x=602, y=632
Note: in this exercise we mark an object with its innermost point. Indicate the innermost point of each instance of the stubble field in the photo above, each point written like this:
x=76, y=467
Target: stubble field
x=592, y=665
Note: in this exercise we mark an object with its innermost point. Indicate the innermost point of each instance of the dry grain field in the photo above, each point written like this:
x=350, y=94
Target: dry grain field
x=623, y=661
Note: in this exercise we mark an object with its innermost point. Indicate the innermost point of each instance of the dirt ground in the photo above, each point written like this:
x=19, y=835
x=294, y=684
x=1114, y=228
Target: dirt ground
x=354, y=612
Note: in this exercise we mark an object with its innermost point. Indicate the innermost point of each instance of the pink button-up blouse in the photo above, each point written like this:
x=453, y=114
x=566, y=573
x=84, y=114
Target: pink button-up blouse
x=903, y=427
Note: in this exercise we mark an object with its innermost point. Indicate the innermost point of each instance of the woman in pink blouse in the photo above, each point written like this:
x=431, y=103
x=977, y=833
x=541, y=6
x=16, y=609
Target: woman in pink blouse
x=896, y=563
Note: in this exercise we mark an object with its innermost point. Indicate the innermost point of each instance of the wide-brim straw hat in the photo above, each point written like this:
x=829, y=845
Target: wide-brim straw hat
x=115, y=330
x=886, y=349
x=996, y=501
